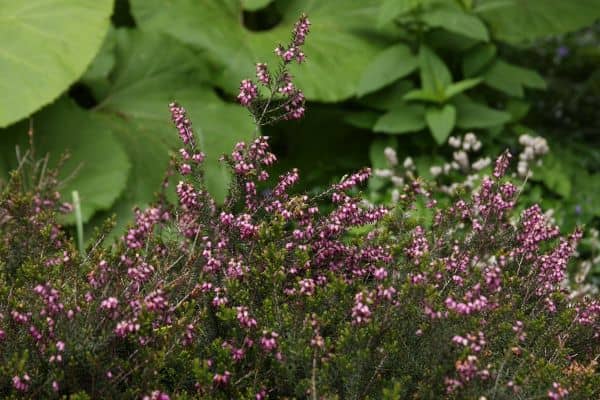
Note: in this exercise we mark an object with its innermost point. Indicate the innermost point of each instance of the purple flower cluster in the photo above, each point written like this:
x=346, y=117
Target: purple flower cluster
x=21, y=383
x=284, y=100
x=275, y=294
x=553, y=266
x=557, y=392
x=157, y=395
x=248, y=90
x=183, y=124
x=535, y=230
x=229, y=282
x=294, y=50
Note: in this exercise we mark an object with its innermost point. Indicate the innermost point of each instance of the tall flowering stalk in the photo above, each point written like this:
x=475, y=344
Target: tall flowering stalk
x=283, y=99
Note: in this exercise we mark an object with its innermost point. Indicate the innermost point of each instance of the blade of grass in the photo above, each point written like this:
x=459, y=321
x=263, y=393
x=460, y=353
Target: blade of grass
x=78, y=222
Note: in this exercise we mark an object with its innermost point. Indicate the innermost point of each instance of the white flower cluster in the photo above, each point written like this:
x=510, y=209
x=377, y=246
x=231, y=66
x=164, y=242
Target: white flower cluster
x=391, y=156
x=466, y=149
x=534, y=148
x=391, y=173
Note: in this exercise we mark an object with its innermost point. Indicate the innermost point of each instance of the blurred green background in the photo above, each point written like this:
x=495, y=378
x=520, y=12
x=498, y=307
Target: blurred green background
x=94, y=78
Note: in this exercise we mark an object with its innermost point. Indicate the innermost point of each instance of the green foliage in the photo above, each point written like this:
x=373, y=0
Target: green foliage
x=440, y=83
x=452, y=18
x=98, y=165
x=391, y=9
x=567, y=114
x=473, y=115
x=339, y=46
x=435, y=76
x=423, y=69
x=512, y=79
x=478, y=58
x=441, y=121
x=404, y=119
x=46, y=46
x=469, y=77
x=516, y=21
x=388, y=66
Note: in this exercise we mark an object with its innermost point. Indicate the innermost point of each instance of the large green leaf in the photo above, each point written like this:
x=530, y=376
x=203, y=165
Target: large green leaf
x=461, y=86
x=425, y=95
x=151, y=70
x=435, y=76
x=457, y=21
x=477, y=59
x=391, y=9
x=338, y=48
x=362, y=119
x=441, y=121
x=553, y=174
x=516, y=21
x=45, y=45
x=471, y=115
x=98, y=165
x=512, y=79
x=253, y=5
x=404, y=119
x=391, y=64
x=389, y=97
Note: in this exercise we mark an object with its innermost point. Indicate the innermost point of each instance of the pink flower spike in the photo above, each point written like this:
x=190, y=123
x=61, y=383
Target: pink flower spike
x=248, y=92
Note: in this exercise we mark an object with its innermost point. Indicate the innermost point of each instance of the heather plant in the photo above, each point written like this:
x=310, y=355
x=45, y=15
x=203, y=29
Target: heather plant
x=447, y=180
x=463, y=172
x=455, y=68
x=276, y=294
x=283, y=100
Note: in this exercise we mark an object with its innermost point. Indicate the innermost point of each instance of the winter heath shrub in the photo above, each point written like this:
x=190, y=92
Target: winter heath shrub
x=275, y=294
x=462, y=175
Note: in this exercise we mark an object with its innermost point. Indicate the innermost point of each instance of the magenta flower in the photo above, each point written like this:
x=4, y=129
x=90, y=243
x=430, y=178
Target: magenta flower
x=183, y=124
x=262, y=74
x=222, y=379
x=284, y=100
x=248, y=92
x=157, y=395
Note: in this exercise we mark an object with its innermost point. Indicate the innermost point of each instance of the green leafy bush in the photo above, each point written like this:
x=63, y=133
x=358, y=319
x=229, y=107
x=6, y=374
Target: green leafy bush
x=359, y=47
x=454, y=47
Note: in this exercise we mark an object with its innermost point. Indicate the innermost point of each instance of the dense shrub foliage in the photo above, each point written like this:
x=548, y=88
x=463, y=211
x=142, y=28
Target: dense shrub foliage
x=273, y=294
x=268, y=296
